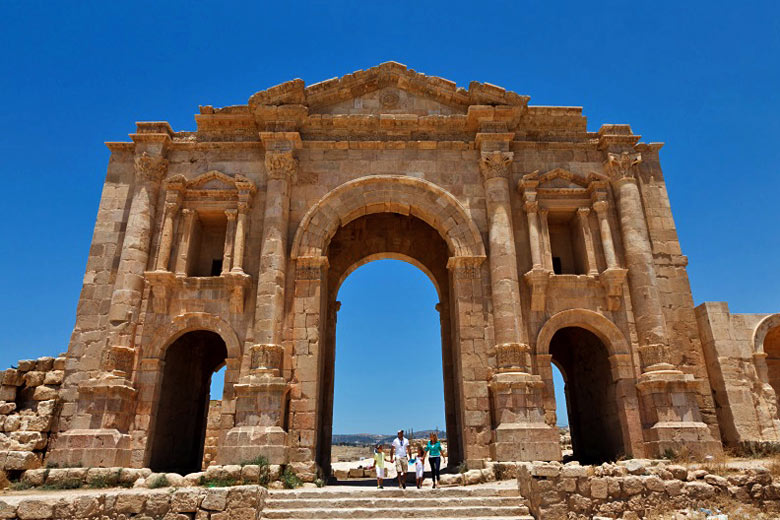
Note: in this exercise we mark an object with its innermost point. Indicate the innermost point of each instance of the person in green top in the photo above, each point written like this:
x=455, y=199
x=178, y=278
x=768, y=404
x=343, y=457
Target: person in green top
x=434, y=457
x=379, y=464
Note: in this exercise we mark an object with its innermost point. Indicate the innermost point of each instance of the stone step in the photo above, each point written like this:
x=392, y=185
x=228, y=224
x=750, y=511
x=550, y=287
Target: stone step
x=521, y=517
x=391, y=502
x=391, y=491
x=398, y=512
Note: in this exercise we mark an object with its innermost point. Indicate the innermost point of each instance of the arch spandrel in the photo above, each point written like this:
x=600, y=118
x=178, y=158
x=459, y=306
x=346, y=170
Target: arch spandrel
x=388, y=193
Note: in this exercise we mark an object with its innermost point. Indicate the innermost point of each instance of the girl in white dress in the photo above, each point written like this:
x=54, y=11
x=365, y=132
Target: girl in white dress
x=419, y=466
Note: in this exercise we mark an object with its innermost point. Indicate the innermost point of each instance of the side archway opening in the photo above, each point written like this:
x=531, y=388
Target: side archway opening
x=178, y=436
x=590, y=393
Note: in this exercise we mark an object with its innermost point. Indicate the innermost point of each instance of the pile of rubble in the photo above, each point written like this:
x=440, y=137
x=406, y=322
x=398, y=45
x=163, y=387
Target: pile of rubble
x=634, y=488
x=29, y=397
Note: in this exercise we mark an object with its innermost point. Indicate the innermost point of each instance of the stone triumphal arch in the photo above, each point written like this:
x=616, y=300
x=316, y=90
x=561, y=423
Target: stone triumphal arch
x=547, y=244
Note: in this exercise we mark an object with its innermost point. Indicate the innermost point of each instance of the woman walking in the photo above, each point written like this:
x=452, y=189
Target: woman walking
x=434, y=457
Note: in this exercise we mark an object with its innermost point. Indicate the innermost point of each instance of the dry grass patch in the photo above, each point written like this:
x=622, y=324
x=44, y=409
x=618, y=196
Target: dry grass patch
x=726, y=505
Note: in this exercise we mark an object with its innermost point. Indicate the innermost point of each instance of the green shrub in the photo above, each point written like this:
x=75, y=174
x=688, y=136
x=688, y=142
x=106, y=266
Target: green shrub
x=217, y=482
x=71, y=483
x=159, y=482
x=289, y=479
x=260, y=460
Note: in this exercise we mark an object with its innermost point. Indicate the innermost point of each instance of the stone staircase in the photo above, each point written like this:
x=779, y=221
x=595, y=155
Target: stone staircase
x=344, y=502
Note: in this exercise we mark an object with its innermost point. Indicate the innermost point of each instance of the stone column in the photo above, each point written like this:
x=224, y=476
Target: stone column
x=521, y=432
x=531, y=210
x=238, y=248
x=262, y=391
x=507, y=312
x=590, y=253
x=546, y=246
x=645, y=298
x=600, y=206
x=166, y=241
x=669, y=403
x=190, y=217
x=230, y=234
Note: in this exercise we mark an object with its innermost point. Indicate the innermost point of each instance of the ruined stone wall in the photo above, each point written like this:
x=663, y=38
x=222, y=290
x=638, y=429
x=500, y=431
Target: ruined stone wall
x=213, y=429
x=746, y=402
x=29, y=404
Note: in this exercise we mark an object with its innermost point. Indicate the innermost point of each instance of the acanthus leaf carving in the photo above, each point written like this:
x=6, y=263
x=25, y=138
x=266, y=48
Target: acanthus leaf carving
x=495, y=164
x=150, y=168
x=620, y=165
x=281, y=164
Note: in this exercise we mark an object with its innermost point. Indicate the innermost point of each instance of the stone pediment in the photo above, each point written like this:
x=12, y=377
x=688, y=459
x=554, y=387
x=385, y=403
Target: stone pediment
x=559, y=179
x=390, y=84
x=216, y=180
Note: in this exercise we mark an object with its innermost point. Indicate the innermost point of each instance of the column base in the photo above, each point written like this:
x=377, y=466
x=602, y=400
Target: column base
x=101, y=448
x=526, y=442
x=522, y=433
x=668, y=400
x=245, y=443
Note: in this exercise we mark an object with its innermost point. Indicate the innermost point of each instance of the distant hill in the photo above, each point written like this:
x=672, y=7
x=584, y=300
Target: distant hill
x=363, y=439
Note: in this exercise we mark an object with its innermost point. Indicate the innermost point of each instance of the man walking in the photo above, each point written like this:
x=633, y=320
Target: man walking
x=400, y=455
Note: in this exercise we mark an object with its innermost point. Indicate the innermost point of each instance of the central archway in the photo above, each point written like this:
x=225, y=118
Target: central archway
x=387, y=236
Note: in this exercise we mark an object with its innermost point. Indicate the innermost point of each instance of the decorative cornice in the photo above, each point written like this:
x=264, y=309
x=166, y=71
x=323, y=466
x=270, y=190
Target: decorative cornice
x=495, y=164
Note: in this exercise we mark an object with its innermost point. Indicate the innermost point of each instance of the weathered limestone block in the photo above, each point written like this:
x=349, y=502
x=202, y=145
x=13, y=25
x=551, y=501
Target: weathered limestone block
x=11, y=377
x=185, y=501
x=7, y=408
x=25, y=365
x=215, y=499
x=44, y=364
x=21, y=460
x=54, y=377
x=35, y=509
x=157, y=504
x=45, y=393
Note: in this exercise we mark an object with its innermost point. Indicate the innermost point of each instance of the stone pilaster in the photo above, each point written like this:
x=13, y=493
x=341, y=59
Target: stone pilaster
x=546, y=246
x=516, y=395
x=669, y=398
x=230, y=236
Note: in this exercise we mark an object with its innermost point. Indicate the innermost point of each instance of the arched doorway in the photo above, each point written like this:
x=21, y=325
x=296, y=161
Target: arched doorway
x=178, y=435
x=591, y=397
x=772, y=351
x=381, y=236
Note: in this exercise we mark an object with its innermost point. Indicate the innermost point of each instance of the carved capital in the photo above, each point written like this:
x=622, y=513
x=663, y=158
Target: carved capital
x=655, y=357
x=537, y=280
x=531, y=206
x=171, y=207
x=620, y=165
x=150, y=168
x=583, y=213
x=310, y=267
x=600, y=207
x=612, y=280
x=281, y=165
x=465, y=267
x=231, y=214
x=495, y=164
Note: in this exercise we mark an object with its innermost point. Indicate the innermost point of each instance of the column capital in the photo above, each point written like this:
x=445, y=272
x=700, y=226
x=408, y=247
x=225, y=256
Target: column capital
x=531, y=206
x=583, y=212
x=150, y=168
x=231, y=214
x=171, y=206
x=495, y=164
x=620, y=165
x=600, y=206
x=281, y=165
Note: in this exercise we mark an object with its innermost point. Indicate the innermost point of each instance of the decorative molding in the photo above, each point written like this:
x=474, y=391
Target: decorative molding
x=466, y=267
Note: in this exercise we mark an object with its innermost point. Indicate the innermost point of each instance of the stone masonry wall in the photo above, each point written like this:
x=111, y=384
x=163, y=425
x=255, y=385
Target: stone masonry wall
x=29, y=401
x=633, y=488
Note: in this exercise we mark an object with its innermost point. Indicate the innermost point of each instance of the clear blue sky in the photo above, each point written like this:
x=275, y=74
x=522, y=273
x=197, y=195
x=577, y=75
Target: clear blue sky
x=701, y=76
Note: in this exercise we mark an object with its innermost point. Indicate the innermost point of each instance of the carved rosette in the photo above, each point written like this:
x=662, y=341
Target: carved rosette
x=620, y=165
x=266, y=359
x=281, y=165
x=150, y=168
x=495, y=164
x=512, y=357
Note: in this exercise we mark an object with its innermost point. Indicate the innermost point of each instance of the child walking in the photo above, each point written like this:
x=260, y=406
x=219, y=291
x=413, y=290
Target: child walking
x=419, y=466
x=379, y=464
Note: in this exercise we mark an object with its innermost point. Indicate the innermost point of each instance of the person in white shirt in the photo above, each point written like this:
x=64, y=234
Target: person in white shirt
x=400, y=455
